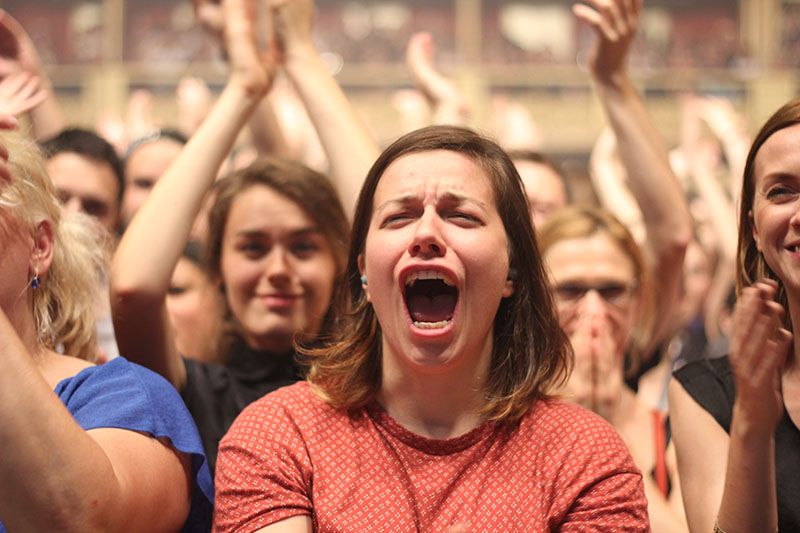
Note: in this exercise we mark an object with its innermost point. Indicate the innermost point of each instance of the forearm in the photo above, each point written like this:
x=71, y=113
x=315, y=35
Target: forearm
x=749, y=501
x=665, y=214
x=53, y=476
x=645, y=158
x=350, y=147
x=153, y=242
x=266, y=131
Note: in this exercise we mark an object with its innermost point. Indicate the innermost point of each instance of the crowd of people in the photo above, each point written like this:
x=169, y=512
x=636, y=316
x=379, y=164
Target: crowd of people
x=303, y=331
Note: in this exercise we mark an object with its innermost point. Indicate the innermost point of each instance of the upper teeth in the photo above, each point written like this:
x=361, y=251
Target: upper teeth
x=429, y=274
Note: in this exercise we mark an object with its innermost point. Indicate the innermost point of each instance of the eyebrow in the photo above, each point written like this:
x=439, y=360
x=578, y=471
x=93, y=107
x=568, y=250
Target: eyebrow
x=450, y=197
x=257, y=232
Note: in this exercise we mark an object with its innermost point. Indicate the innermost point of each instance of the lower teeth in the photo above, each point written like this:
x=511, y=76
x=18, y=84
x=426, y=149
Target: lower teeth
x=431, y=325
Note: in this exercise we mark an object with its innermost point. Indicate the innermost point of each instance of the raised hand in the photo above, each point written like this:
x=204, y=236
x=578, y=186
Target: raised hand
x=615, y=23
x=20, y=92
x=17, y=51
x=292, y=21
x=251, y=67
x=447, y=101
x=758, y=350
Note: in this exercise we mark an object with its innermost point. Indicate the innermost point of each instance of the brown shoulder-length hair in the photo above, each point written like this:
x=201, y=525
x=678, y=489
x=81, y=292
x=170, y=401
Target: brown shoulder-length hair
x=583, y=221
x=751, y=265
x=311, y=191
x=531, y=355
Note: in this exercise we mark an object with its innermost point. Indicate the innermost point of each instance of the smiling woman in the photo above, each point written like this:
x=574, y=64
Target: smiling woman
x=431, y=408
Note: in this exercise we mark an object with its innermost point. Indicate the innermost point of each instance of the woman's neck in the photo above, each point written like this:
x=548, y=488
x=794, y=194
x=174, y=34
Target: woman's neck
x=437, y=405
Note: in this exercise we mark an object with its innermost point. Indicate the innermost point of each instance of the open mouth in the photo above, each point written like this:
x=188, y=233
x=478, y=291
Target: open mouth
x=431, y=298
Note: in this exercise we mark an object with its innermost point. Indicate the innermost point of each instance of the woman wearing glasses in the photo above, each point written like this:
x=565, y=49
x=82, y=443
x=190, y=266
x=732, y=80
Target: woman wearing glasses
x=605, y=305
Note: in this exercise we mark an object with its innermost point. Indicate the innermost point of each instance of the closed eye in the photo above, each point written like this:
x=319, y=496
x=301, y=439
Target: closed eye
x=780, y=193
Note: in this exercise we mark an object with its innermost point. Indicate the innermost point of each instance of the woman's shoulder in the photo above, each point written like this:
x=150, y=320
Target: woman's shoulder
x=710, y=383
x=567, y=420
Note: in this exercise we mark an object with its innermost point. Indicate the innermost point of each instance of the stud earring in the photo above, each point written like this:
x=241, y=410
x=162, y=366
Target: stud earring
x=363, y=279
x=36, y=281
x=512, y=273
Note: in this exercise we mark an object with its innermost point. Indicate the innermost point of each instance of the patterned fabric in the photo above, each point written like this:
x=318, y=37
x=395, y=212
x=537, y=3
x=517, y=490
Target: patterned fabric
x=560, y=468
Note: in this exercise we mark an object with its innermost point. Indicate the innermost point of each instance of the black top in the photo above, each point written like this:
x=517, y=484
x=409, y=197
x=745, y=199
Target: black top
x=216, y=394
x=710, y=382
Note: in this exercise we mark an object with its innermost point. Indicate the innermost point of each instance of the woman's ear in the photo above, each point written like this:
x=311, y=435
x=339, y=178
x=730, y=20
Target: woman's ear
x=753, y=229
x=43, y=249
x=363, y=277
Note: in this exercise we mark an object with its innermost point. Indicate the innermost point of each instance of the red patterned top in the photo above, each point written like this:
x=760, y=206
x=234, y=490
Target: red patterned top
x=560, y=468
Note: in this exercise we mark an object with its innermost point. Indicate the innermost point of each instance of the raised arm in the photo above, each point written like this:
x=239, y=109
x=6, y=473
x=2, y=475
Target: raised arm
x=732, y=476
x=447, y=102
x=18, y=54
x=150, y=248
x=350, y=147
x=640, y=147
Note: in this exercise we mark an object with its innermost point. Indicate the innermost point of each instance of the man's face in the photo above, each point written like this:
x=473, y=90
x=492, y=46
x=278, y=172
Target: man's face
x=87, y=185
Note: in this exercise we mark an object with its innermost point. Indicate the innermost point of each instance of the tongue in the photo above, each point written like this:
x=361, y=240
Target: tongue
x=431, y=308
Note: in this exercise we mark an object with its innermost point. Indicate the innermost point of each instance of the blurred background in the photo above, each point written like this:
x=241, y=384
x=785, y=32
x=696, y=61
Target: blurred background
x=498, y=52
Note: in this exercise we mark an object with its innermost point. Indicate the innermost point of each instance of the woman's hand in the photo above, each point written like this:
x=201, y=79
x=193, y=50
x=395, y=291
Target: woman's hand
x=252, y=68
x=758, y=350
x=291, y=22
x=615, y=23
x=19, y=93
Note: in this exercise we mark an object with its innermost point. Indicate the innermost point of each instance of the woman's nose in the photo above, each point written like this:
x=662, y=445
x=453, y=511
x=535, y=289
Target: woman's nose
x=427, y=240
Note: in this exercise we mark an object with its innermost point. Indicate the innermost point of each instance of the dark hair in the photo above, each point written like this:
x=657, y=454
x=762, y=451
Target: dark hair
x=751, y=265
x=540, y=158
x=90, y=145
x=309, y=189
x=153, y=136
x=530, y=355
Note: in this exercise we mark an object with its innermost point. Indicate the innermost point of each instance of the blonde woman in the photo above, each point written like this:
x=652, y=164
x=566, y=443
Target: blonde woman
x=85, y=447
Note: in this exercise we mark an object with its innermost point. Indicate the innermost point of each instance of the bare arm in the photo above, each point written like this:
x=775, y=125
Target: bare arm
x=734, y=477
x=446, y=101
x=350, y=147
x=295, y=524
x=54, y=476
x=18, y=54
x=153, y=242
x=640, y=147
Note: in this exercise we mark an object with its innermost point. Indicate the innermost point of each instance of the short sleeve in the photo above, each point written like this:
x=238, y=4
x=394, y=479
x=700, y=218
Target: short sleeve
x=591, y=478
x=123, y=395
x=263, y=470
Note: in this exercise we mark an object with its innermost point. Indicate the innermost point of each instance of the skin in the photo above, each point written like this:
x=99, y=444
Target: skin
x=435, y=211
x=194, y=304
x=600, y=332
x=86, y=185
x=776, y=220
x=277, y=267
x=65, y=478
x=143, y=169
x=543, y=187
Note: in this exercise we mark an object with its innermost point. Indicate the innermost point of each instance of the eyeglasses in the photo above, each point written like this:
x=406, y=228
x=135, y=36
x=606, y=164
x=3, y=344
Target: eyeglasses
x=613, y=293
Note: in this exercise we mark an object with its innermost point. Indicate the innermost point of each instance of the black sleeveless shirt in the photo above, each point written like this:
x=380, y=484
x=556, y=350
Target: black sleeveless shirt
x=710, y=382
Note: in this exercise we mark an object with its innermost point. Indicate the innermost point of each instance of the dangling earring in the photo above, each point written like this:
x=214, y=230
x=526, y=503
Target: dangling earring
x=363, y=279
x=36, y=281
